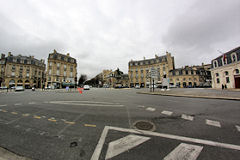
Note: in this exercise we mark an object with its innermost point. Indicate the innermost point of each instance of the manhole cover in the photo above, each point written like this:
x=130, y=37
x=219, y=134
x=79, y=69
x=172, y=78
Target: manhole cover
x=144, y=125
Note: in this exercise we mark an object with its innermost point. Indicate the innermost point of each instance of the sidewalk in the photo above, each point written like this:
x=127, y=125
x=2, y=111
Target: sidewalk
x=7, y=155
x=197, y=93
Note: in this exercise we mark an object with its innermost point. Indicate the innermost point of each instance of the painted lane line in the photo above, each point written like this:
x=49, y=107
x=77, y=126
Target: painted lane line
x=181, y=138
x=3, y=105
x=68, y=122
x=90, y=125
x=140, y=106
x=150, y=109
x=82, y=102
x=37, y=117
x=184, y=151
x=52, y=120
x=169, y=113
x=4, y=110
x=124, y=144
x=14, y=113
x=18, y=104
x=32, y=103
x=238, y=128
x=25, y=114
x=68, y=125
x=187, y=117
x=100, y=144
x=213, y=123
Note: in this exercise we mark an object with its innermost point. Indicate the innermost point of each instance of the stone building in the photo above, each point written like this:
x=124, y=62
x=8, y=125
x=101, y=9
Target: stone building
x=61, y=70
x=21, y=71
x=191, y=76
x=225, y=69
x=138, y=71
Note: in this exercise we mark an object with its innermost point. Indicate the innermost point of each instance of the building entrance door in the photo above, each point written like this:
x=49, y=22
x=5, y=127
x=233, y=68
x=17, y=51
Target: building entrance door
x=237, y=81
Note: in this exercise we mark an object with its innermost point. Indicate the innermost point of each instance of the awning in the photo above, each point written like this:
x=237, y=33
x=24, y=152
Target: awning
x=67, y=84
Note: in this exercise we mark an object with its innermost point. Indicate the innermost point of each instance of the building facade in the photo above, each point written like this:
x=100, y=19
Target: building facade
x=225, y=70
x=61, y=70
x=138, y=71
x=191, y=76
x=21, y=71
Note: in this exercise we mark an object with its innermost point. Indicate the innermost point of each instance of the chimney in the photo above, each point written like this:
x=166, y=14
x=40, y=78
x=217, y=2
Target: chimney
x=144, y=58
x=68, y=54
x=202, y=64
x=2, y=56
x=9, y=54
x=156, y=56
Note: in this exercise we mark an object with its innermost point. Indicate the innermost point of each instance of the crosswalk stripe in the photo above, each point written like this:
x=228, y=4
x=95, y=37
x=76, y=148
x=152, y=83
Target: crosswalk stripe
x=187, y=117
x=213, y=123
x=3, y=105
x=238, y=128
x=184, y=151
x=169, y=113
x=150, y=109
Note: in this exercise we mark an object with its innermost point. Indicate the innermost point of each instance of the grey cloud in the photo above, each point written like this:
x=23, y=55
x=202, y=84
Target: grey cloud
x=199, y=31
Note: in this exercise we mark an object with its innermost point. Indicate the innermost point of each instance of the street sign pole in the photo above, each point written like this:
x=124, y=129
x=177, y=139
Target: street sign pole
x=153, y=84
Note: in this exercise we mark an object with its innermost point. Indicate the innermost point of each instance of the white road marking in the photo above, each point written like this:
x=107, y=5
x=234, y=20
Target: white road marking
x=99, y=146
x=32, y=103
x=184, y=151
x=86, y=103
x=123, y=144
x=3, y=105
x=140, y=106
x=187, y=117
x=101, y=141
x=18, y=104
x=150, y=109
x=169, y=113
x=213, y=123
x=181, y=138
x=238, y=128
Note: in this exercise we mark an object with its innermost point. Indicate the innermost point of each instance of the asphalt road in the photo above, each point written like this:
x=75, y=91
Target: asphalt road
x=100, y=124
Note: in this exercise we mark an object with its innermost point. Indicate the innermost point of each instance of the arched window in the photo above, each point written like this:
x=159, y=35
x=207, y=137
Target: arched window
x=237, y=71
x=226, y=73
x=234, y=57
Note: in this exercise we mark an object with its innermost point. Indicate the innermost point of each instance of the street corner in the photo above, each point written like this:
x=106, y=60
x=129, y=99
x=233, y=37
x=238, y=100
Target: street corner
x=121, y=143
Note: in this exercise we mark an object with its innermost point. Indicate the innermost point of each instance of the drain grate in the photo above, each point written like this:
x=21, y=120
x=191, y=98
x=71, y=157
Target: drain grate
x=144, y=125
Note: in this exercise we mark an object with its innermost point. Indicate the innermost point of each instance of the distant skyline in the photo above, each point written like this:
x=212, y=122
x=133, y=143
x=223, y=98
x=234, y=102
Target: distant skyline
x=107, y=34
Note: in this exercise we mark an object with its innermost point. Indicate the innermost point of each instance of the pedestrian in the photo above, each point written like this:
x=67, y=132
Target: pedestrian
x=222, y=87
x=225, y=86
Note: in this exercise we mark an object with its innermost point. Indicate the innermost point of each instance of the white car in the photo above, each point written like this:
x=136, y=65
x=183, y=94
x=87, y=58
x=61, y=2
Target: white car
x=137, y=86
x=86, y=87
x=19, y=88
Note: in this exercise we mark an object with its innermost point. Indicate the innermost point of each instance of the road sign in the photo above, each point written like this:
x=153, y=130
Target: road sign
x=153, y=73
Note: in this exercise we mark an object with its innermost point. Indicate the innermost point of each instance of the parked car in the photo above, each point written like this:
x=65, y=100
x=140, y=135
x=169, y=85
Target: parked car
x=13, y=87
x=19, y=88
x=4, y=87
x=86, y=87
x=137, y=86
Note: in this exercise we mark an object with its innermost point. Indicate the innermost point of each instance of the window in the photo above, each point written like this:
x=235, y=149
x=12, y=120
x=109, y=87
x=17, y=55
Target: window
x=50, y=72
x=227, y=80
x=217, y=74
x=71, y=68
x=177, y=79
x=49, y=78
x=50, y=64
x=58, y=64
x=58, y=72
x=27, y=74
x=184, y=79
x=57, y=79
x=237, y=71
x=64, y=73
x=215, y=64
x=218, y=81
x=71, y=74
x=190, y=79
x=226, y=73
x=192, y=72
x=13, y=73
x=234, y=57
x=186, y=72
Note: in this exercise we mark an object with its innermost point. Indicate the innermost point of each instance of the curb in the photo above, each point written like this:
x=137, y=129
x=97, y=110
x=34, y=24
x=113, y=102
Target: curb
x=7, y=155
x=191, y=96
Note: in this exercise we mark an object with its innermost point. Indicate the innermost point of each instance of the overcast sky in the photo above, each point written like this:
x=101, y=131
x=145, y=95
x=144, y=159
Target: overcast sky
x=106, y=34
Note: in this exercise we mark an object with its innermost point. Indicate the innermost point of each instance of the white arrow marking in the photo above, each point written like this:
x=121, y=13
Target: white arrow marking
x=169, y=113
x=187, y=117
x=184, y=151
x=123, y=144
x=213, y=123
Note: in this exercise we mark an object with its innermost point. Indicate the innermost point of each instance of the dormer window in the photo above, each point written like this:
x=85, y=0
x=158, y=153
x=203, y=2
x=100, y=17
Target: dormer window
x=215, y=64
x=234, y=57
